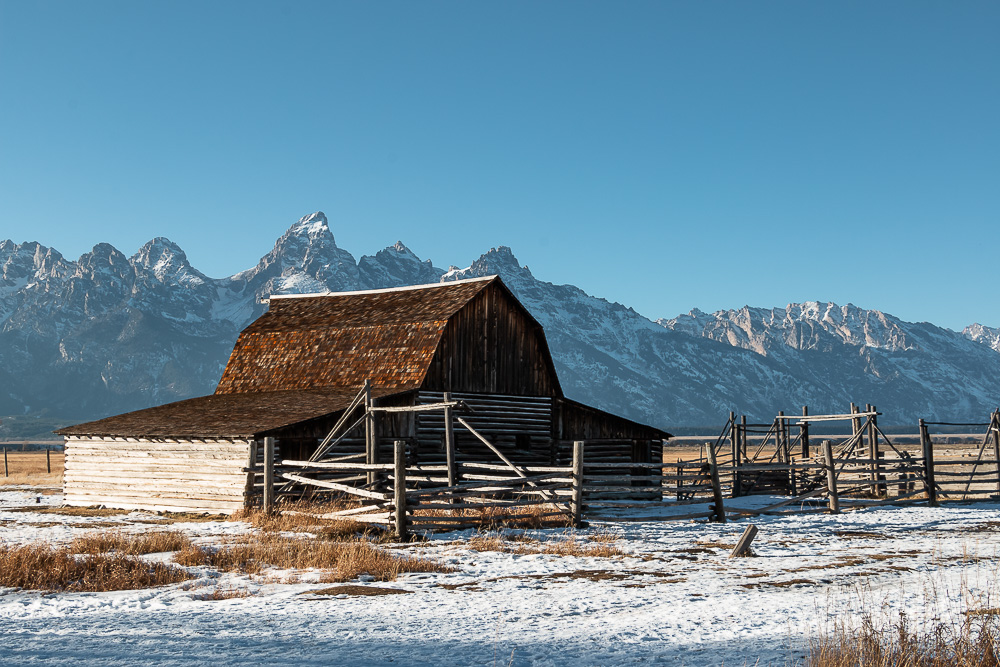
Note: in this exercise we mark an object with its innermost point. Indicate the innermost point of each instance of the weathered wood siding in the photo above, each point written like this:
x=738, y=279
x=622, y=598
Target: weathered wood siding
x=519, y=426
x=157, y=475
x=492, y=346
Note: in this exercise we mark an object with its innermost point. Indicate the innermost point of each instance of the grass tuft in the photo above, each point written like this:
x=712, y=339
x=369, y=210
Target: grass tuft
x=342, y=561
x=47, y=568
x=971, y=643
x=130, y=544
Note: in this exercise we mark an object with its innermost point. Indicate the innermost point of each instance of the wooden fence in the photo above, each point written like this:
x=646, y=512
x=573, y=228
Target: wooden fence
x=866, y=468
x=405, y=497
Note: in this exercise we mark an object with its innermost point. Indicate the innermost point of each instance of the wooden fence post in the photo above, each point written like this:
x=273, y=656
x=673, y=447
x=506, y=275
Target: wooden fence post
x=713, y=468
x=268, y=475
x=449, y=444
x=370, y=454
x=873, y=454
x=734, y=438
x=856, y=432
x=995, y=424
x=831, y=477
x=927, y=449
x=250, y=488
x=6, y=471
x=576, y=510
x=804, y=433
x=48, y=460
x=742, y=547
x=399, y=487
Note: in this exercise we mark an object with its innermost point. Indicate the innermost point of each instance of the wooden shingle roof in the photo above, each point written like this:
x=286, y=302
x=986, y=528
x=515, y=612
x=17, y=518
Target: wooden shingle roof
x=339, y=340
x=222, y=415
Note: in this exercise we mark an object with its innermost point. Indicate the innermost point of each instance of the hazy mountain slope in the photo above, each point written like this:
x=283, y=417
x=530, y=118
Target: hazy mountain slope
x=109, y=333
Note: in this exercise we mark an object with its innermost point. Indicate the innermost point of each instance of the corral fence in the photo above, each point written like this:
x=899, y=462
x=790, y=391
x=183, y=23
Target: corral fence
x=863, y=468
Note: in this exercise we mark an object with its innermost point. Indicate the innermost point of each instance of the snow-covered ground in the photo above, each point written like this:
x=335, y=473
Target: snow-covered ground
x=676, y=599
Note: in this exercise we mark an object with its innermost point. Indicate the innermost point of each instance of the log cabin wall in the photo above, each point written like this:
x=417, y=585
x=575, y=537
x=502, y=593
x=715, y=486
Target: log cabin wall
x=519, y=426
x=493, y=346
x=157, y=475
x=610, y=438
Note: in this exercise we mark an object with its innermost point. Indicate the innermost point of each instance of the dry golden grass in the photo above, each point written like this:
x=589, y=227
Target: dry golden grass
x=563, y=546
x=131, y=544
x=223, y=594
x=48, y=568
x=307, y=518
x=71, y=511
x=342, y=561
x=356, y=590
x=28, y=469
x=972, y=643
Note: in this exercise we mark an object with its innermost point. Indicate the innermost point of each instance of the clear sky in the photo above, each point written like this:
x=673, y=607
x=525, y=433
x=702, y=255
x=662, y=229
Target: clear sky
x=667, y=155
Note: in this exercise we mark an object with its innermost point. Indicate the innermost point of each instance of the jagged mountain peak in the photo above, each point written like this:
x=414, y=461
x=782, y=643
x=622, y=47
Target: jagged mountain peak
x=499, y=261
x=979, y=333
x=809, y=325
x=312, y=226
x=167, y=262
x=396, y=266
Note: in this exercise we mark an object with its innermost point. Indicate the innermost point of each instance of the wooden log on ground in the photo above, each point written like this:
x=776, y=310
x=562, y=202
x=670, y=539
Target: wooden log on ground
x=742, y=547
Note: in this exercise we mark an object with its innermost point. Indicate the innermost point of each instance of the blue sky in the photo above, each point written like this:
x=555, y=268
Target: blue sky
x=667, y=155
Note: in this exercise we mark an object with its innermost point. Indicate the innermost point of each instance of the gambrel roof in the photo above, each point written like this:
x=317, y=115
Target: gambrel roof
x=339, y=340
x=308, y=356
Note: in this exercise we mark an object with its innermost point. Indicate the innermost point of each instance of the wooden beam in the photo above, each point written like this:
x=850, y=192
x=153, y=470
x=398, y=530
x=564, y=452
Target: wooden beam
x=713, y=468
x=742, y=547
x=831, y=477
x=268, y=475
x=399, y=488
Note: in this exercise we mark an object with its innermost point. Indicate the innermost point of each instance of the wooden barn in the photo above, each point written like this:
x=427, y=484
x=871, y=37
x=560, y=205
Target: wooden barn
x=342, y=376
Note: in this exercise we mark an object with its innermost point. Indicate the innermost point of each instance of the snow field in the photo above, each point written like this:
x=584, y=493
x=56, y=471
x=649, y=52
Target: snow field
x=675, y=599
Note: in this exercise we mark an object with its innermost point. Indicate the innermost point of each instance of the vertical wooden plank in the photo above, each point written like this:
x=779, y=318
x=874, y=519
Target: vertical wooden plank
x=734, y=446
x=399, y=490
x=576, y=510
x=268, y=475
x=804, y=433
x=831, y=477
x=248, y=491
x=713, y=468
x=995, y=425
x=449, y=444
x=855, y=431
x=369, y=431
x=743, y=436
x=873, y=454
x=6, y=470
x=927, y=452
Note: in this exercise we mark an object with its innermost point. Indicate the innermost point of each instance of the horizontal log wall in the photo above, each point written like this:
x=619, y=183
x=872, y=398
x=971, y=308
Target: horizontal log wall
x=166, y=476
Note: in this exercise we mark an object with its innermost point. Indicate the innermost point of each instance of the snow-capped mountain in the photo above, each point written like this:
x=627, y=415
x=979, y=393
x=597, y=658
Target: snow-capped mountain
x=109, y=333
x=985, y=335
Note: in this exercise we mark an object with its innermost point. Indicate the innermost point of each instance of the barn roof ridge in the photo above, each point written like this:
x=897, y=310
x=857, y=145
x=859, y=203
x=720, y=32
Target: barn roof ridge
x=384, y=290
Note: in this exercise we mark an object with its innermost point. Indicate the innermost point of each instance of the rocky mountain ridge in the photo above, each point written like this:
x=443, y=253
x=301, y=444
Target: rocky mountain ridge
x=109, y=333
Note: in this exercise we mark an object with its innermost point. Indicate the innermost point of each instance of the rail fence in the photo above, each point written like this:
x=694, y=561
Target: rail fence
x=864, y=469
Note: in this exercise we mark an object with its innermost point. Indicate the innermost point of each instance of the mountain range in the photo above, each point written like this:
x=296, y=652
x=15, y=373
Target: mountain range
x=108, y=333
